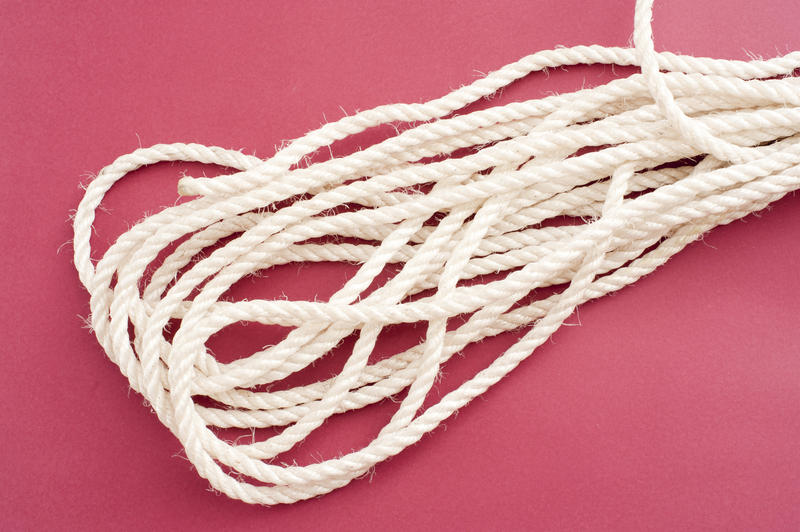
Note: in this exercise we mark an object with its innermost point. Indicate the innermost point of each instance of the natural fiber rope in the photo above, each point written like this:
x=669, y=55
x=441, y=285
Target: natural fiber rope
x=618, y=155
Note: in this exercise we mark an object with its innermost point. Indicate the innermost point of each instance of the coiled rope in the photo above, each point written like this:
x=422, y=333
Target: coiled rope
x=619, y=155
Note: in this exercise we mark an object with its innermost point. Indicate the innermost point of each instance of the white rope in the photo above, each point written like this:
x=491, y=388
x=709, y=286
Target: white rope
x=621, y=156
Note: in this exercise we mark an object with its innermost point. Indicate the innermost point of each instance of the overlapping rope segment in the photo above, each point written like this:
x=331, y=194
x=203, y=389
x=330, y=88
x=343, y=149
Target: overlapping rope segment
x=650, y=161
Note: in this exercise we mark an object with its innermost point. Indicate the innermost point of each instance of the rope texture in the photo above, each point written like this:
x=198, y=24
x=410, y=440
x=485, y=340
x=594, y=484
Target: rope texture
x=649, y=162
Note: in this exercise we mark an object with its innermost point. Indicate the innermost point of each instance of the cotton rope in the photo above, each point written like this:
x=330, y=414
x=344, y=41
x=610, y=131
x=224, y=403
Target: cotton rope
x=650, y=162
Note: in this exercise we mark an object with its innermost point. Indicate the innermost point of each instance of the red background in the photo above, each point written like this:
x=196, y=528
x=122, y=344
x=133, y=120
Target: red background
x=676, y=404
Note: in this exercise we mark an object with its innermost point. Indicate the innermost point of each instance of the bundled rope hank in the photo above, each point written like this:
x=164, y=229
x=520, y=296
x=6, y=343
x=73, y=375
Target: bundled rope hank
x=650, y=162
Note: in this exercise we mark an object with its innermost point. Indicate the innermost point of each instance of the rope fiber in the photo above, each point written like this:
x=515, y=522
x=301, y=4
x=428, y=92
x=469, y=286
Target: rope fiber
x=649, y=162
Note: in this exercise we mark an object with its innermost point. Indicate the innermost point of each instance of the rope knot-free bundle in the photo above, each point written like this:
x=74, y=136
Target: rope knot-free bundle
x=650, y=162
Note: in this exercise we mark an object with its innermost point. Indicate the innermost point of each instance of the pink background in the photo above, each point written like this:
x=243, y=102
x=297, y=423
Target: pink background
x=676, y=404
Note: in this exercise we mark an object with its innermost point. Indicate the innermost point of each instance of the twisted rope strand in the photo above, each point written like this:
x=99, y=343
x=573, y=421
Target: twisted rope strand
x=617, y=156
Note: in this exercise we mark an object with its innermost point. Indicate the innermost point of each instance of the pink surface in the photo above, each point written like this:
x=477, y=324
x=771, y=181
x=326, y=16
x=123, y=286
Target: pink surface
x=676, y=404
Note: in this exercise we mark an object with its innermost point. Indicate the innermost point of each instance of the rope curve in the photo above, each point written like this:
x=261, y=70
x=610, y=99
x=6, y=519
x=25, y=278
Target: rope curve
x=650, y=162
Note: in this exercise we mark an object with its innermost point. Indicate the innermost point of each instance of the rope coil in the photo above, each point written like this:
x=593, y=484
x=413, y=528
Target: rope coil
x=618, y=155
